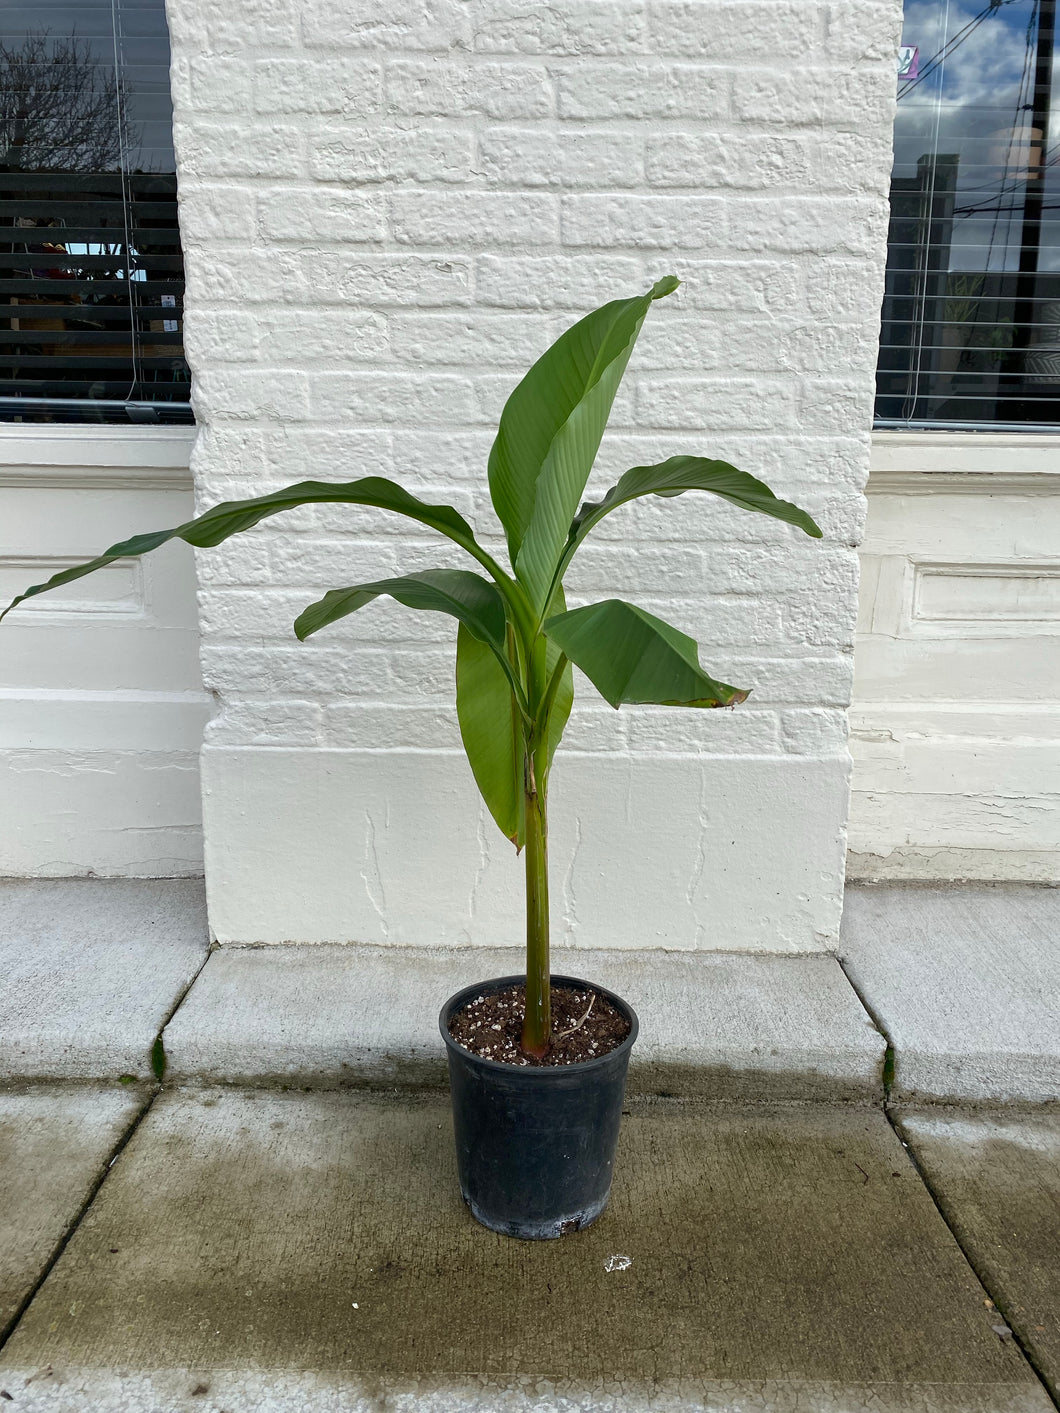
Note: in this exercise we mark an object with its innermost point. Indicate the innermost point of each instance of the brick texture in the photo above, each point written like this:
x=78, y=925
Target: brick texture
x=390, y=210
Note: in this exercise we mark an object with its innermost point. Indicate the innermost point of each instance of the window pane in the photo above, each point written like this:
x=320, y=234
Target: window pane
x=971, y=312
x=91, y=273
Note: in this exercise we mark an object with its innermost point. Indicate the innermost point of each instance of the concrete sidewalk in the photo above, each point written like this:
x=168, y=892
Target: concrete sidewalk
x=96, y=969
x=255, y=1250
x=93, y=969
x=965, y=981
x=278, y=1226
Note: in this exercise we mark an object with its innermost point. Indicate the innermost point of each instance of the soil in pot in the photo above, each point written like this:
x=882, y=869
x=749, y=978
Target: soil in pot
x=585, y=1026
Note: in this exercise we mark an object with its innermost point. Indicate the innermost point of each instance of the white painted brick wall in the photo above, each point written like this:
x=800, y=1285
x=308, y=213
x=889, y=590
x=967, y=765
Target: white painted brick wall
x=388, y=211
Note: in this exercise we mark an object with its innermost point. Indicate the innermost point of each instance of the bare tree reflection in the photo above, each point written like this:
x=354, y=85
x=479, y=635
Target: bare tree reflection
x=60, y=109
x=90, y=268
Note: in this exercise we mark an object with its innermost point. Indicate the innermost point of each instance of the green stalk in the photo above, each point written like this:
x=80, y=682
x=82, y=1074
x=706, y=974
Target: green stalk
x=537, y=1026
x=544, y=711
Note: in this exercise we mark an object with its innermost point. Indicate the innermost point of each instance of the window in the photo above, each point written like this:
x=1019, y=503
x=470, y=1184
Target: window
x=971, y=312
x=91, y=274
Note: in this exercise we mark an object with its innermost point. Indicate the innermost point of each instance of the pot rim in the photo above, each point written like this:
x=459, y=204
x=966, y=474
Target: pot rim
x=547, y=1072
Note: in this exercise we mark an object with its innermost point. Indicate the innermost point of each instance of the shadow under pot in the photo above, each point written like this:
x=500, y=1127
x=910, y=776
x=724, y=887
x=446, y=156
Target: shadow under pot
x=535, y=1144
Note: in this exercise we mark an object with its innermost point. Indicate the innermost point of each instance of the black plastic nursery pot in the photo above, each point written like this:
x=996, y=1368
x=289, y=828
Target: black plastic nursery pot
x=535, y=1145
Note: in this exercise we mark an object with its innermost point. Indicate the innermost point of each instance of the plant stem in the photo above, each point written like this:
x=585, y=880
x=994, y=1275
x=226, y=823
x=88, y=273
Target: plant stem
x=537, y=1026
x=545, y=709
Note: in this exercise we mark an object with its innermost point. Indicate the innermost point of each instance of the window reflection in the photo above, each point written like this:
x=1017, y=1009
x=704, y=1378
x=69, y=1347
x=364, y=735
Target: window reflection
x=971, y=313
x=91, y=274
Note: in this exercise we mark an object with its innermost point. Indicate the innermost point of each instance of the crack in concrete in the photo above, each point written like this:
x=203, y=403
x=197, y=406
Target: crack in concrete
x=373, y=875
x=158, y=1067
x=570, y=901
x=1008, y=1316
x=7, y=1330
x=158, y=1048
x=481, y=869
x=701, y=861
x=887, y=1077
x=887, y=1071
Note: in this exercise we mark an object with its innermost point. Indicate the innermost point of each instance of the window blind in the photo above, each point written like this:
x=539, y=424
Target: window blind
x=970, y=332
x=91, y=272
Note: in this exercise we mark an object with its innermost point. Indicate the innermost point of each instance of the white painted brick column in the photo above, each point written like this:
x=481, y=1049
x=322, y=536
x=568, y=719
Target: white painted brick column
x=388, y=211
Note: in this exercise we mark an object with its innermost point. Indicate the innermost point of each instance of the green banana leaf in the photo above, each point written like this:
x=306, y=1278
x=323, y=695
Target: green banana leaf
x=466, y=596
x=491, y=727
x=550, y=432
x=632, y=656
x=687, y=473
x=492, y=732
x=230, y=517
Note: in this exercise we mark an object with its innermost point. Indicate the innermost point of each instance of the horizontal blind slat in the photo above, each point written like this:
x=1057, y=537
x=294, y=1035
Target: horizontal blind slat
x=100, y=287
x=80, y=363
x=87, y=313
x=92, y=235
x=74, y=338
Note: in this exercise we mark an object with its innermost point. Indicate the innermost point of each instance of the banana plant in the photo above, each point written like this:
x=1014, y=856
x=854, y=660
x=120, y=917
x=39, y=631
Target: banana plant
x=516, y=638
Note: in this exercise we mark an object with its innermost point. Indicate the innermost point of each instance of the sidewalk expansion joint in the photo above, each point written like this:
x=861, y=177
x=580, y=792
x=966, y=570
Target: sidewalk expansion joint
x=1009, y=1325
x=158, y=1049
x=8, y=1329
x=887, y=1074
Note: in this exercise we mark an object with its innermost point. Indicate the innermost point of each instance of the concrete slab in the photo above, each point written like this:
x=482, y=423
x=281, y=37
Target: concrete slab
x=966, y=981
x=712, y=1024
x=997, y=1179
x=260, y=1251
x=54, y=1146
x=92, y=968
